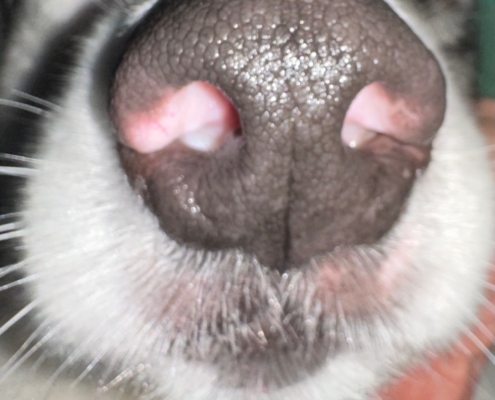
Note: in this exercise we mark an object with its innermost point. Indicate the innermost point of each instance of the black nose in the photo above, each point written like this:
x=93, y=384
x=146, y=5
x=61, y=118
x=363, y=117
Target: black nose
x=331, y=107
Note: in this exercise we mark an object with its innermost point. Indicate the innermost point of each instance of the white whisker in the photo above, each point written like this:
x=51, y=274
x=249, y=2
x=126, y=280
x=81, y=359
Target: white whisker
x=87, y=370
x=17, y=171
x=10, y=226
x=19, y=158
x=4, y=370
x=39, y=337
x=125, y=375
x=25, y=107
x=74, y=357
x=481, y=325
x=69, y=361
x=9, y=215
x=18, y=282
x=139, y=11
x=27, y=343
x=17, y=317
x=11, y=235
x=16, y=364
x=486, y=351
x=4, y=271
x=35, y=99
x=488, y=304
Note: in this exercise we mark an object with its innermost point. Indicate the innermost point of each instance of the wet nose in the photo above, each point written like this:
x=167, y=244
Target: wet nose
x=285, y=128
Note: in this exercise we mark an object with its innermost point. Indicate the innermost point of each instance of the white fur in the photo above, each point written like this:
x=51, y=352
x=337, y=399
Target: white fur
x=88, y=240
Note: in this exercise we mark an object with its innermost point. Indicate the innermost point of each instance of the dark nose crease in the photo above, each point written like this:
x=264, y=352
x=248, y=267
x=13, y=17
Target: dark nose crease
x=286, y=188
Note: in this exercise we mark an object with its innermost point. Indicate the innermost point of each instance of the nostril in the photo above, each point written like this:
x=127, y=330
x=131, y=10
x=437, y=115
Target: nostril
x=198, y=114
x=379, y=112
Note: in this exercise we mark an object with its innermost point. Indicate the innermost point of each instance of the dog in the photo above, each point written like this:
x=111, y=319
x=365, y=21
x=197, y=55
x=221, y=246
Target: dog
x=233, y=199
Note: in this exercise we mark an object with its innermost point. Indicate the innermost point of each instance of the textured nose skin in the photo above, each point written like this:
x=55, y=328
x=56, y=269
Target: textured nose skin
x=286, y=188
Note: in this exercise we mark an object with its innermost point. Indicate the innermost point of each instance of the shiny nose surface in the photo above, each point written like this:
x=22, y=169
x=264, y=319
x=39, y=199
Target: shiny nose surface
x=284, y=128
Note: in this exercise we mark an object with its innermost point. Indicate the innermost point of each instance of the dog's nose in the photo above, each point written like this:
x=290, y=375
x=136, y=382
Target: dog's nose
x=285, y=128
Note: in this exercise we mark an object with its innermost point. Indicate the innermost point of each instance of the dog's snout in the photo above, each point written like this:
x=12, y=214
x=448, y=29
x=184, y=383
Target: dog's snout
x=312, y=117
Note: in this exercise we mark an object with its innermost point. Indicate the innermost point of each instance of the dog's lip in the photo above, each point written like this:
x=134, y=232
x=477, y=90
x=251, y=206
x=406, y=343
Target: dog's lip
x=359, y=282
x=453, y=373
x=288, y=317
x=358, y=274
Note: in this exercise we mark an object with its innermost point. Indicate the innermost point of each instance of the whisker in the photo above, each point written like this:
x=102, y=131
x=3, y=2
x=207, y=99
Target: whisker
x=25, y=107
x=87, y=370
x=17, y=171
x=123, y=376
x=20, y=360
x=16, y=360
x=17, y=317
x=69, y=361
x=4, y=271
x=25, y=346
x=11, y=235
x=9, y=215
x=137, y=12
x=19, y=158
x=42, y=334
x=483, y=328
x=14, y=357
x=489, y=286
x=346, y=329
x=10, y=226
x=36, y=99
x=488, y=304
x=18, y=282
x=486, y=351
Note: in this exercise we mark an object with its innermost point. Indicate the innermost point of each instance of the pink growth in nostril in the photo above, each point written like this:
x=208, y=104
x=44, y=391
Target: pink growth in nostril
x=198, y=114
x=375, y=110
